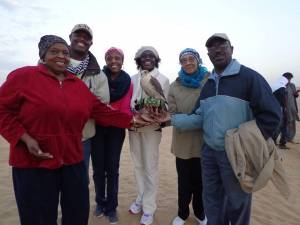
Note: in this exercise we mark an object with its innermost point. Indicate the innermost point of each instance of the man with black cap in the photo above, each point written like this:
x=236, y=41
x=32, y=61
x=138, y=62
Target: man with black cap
x=232, y=95
x=85, y=66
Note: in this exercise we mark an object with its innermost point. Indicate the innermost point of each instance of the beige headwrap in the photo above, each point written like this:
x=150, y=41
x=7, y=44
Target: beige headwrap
x=146, y=48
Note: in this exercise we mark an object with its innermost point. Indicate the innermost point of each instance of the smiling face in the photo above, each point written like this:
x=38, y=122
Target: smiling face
x=189, y=63
x=81, y=42
x=147, y=60
x=220, y=54
x=114, y=62
x=57, y=58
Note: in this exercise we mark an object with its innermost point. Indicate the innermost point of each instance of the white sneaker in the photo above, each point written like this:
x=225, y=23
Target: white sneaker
x=146, y=219
x=201, y=222
x=135, y=208
x=178, y=221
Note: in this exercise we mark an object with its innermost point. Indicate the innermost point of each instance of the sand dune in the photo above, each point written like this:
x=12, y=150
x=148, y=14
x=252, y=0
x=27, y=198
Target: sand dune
x=269, y=207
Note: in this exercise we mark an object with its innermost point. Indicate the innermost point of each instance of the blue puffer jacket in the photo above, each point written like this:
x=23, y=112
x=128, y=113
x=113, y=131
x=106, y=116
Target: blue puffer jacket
x=239, y=95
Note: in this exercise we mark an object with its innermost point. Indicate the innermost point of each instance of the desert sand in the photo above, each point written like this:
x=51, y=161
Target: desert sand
x=269, y=207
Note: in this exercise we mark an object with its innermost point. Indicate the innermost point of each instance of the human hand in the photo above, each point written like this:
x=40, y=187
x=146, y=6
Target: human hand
x=152, y=110
x=141, y=121
x=161, y=117
x=147, y=117
x=34, y=148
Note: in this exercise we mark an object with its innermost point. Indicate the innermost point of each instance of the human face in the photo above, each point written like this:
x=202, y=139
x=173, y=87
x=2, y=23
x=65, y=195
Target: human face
x=220, y=54
x=114, y=62
x=81, y=42
x=189, y=63
x=57, y=58
x=147, y=60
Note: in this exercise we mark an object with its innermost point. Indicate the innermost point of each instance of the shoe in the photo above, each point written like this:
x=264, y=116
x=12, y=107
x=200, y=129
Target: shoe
x=99, y=211
x=201, y=222
x=135, y=208
x=178, y=221
x=283, y=146
x=146, y=219
x=113, y=219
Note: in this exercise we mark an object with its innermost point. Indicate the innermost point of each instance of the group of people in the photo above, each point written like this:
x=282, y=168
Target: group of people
x=64, y=111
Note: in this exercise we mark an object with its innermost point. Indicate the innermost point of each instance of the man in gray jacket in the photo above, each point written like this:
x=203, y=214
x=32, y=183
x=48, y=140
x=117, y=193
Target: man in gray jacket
x=85, y=66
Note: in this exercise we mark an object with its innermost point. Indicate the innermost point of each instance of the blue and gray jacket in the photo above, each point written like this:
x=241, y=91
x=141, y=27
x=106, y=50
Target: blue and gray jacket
x=237, y=96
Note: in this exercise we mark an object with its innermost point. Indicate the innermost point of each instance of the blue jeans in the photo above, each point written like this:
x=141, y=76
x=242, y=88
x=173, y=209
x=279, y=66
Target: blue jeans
x=224, y=200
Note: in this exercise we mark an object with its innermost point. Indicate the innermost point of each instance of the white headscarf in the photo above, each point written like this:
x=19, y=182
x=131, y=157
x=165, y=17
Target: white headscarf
x=281, y=82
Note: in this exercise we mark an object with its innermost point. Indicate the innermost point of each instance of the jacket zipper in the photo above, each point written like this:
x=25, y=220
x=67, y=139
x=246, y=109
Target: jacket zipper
x=217, y=85
x=61, y=87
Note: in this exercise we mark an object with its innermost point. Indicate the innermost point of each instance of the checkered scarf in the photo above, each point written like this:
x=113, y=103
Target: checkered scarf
x=77, y=70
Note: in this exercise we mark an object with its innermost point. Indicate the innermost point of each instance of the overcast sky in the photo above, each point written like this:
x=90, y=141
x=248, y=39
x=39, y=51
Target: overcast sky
x=264, y=33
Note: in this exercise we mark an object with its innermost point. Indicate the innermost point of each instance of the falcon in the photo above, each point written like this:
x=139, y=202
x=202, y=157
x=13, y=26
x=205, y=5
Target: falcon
x=153, y=89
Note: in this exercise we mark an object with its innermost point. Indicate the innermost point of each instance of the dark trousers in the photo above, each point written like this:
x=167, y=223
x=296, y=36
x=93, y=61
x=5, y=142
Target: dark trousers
x=86, y=145
x=106, y=150
x=38, y=192
x=224, y=200
x=189, y=187
x=281, y=130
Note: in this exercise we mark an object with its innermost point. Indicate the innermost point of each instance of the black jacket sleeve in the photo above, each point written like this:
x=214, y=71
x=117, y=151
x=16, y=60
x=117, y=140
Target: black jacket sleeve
x=264, y=105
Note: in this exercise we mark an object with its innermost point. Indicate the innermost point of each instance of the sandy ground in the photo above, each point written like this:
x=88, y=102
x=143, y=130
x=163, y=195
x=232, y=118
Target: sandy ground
x=269, y=207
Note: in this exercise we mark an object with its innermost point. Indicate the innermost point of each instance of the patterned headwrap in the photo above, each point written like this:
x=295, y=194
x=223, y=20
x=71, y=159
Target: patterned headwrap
x=146, y=48
x=191, y=51
x=47, y=41
x=114, y=50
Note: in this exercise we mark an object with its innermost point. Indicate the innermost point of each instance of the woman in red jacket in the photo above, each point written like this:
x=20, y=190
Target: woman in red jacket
x=42, y=113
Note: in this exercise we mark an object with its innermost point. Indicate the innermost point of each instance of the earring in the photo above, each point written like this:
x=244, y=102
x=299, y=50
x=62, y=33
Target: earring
x=41, y=61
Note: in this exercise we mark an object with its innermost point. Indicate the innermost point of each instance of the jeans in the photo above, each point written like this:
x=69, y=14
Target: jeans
x=224, y=200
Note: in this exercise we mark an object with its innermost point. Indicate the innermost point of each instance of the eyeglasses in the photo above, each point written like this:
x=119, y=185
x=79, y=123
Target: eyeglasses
x=218, y=46
x=187, y=60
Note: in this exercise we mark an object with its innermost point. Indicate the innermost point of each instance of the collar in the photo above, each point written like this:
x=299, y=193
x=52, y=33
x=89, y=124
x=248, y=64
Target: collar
x=233, y=68
x=154, y=73
x=43, y=70
x=93, y=64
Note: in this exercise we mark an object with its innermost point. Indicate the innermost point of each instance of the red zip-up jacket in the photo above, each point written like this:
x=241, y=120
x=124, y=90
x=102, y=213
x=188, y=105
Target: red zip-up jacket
x=52, y=112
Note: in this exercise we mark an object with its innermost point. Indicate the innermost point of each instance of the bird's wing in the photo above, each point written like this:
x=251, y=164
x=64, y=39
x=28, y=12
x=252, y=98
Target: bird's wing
x=157, y=86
